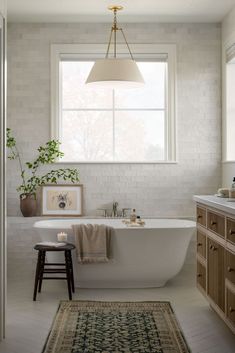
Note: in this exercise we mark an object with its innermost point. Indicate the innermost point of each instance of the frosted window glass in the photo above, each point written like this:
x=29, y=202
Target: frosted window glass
x=75, y=94
x=139, y=136
x=152, y=95
x=87, y=136
x=103, y=125
x=230, y=112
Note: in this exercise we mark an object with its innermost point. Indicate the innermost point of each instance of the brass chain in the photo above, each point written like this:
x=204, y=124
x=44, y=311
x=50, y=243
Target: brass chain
x=114, y=30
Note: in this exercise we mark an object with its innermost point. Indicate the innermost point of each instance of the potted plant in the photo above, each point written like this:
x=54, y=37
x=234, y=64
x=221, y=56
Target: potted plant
x=31, y=181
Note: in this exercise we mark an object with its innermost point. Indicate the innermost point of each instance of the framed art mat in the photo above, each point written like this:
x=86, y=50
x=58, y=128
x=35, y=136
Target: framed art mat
x=62, y=200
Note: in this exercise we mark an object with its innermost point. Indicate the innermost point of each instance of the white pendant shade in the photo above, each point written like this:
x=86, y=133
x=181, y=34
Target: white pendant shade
x=115, y=73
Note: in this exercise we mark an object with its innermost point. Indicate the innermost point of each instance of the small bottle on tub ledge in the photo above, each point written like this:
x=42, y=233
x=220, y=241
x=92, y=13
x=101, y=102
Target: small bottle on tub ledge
x=134, y=221
x=133, y=216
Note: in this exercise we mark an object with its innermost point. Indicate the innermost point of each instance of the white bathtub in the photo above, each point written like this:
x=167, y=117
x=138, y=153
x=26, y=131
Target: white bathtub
x=142, y=257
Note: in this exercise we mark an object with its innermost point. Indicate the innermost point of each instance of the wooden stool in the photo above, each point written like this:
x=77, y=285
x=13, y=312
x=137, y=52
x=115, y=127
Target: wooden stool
x=42, y=267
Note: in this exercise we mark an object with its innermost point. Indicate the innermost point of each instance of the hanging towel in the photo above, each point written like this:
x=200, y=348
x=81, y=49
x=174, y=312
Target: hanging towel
x=92, y=242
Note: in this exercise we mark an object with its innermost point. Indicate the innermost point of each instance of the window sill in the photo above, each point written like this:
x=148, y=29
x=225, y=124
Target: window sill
x=228, y=162
x=112, y=162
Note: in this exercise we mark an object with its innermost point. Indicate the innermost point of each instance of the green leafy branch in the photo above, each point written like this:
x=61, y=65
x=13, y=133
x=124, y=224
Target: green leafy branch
x=47, y=154
x=14, y=153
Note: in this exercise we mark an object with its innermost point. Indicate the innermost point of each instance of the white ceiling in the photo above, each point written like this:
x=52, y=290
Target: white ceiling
x=134, y=10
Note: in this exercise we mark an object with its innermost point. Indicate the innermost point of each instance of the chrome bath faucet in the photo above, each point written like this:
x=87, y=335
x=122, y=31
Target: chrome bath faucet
x=115, y=209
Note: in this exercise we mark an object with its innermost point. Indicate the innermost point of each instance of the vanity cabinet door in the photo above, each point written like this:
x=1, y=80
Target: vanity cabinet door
x=201, y=275
x=230, y=267
x=231, y=230
x=201, y=244
x=201, y=216
x=231, y=306
x=216, y=273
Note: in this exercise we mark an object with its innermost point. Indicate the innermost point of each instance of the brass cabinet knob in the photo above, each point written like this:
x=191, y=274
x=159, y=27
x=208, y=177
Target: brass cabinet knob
x=213, y=248
x=230, y=269
x=199, y=244
x=199, y=216
x=231, y=310
x=199, y=275
x=213, y=223
x=231, y=232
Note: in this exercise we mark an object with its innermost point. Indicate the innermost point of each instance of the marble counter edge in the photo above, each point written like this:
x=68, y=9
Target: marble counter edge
x=213, y=201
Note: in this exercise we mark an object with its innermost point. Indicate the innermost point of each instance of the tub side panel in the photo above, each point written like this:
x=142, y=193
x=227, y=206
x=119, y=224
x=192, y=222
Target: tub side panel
x=140, y=258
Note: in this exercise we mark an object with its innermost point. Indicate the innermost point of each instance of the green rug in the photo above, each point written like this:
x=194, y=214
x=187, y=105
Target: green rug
x=115, y=327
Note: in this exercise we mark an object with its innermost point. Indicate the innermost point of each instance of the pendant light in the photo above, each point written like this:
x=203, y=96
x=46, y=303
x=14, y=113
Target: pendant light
x=115, y=72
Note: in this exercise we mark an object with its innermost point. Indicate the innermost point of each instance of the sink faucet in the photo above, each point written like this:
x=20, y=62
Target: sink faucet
x=115, y=209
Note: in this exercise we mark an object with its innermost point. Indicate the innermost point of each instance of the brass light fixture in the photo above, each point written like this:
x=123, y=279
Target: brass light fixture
x=115, y=72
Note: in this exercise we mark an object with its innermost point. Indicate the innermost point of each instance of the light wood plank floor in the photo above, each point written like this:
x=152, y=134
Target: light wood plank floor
x=28, y=322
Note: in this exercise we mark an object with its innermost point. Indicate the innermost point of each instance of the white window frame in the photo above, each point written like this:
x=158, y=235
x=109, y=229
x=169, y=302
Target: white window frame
x=228, y=54
x=96, y=51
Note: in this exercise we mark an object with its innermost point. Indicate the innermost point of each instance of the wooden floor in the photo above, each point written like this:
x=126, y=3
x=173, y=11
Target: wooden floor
x=29, y=322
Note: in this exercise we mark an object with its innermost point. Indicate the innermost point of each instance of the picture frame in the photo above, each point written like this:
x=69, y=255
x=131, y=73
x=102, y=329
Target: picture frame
x=62, y=200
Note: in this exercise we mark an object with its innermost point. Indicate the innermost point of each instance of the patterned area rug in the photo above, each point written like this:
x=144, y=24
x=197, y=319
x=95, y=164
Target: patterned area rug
x=115, y=327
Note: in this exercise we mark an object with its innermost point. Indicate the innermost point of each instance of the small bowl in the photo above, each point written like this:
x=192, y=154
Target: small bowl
x=223, y=192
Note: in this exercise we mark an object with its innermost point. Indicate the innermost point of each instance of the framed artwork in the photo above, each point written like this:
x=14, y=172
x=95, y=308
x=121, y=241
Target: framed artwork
x=62, y=200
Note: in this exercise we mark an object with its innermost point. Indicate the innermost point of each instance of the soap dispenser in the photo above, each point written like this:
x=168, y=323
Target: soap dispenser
x=232, y=190
x=233, y=183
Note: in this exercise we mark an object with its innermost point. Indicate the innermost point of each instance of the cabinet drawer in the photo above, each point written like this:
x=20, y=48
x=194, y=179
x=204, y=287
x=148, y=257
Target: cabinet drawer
x=201, y=275
x=231, y=306
x=230, y=266
x=216, y=223
x=201, y=216
x=231, y=230
x=201, y=244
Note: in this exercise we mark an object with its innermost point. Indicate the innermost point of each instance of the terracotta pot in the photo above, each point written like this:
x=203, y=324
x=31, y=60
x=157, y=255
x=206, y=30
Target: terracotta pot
x=28, y=205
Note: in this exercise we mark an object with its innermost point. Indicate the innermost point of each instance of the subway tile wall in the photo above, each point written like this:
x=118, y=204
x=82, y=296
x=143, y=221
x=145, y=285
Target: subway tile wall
x=161, y=190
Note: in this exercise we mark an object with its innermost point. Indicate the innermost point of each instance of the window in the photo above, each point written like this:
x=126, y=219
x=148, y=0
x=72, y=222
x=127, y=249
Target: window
x=230, y=104
x=105, y=125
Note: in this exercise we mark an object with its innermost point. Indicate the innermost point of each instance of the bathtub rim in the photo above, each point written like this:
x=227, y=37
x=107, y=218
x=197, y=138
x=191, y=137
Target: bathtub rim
x=183, y=223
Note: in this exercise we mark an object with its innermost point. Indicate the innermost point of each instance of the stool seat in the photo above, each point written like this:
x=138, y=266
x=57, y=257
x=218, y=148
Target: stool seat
x=47, y=268
x=67, y=246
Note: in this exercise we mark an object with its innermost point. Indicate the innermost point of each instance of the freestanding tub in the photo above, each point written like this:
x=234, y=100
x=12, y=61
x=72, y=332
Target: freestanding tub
x=141, y=257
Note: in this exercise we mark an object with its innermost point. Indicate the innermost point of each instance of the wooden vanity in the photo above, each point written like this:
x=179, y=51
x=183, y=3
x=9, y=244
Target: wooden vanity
x=216, y=255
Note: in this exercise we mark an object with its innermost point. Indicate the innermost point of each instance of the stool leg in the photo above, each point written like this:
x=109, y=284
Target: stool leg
x=71, y=271
x=41, y=270
x=37, y=276
x=68, y=277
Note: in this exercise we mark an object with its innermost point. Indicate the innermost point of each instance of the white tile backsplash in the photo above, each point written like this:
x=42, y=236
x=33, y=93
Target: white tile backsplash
x=162, y=190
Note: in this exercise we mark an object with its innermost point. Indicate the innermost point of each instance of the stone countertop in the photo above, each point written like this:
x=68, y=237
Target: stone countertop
x=222, y=204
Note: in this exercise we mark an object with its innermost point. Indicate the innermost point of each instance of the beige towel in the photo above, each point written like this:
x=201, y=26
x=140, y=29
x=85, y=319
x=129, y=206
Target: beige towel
x=92, y=242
